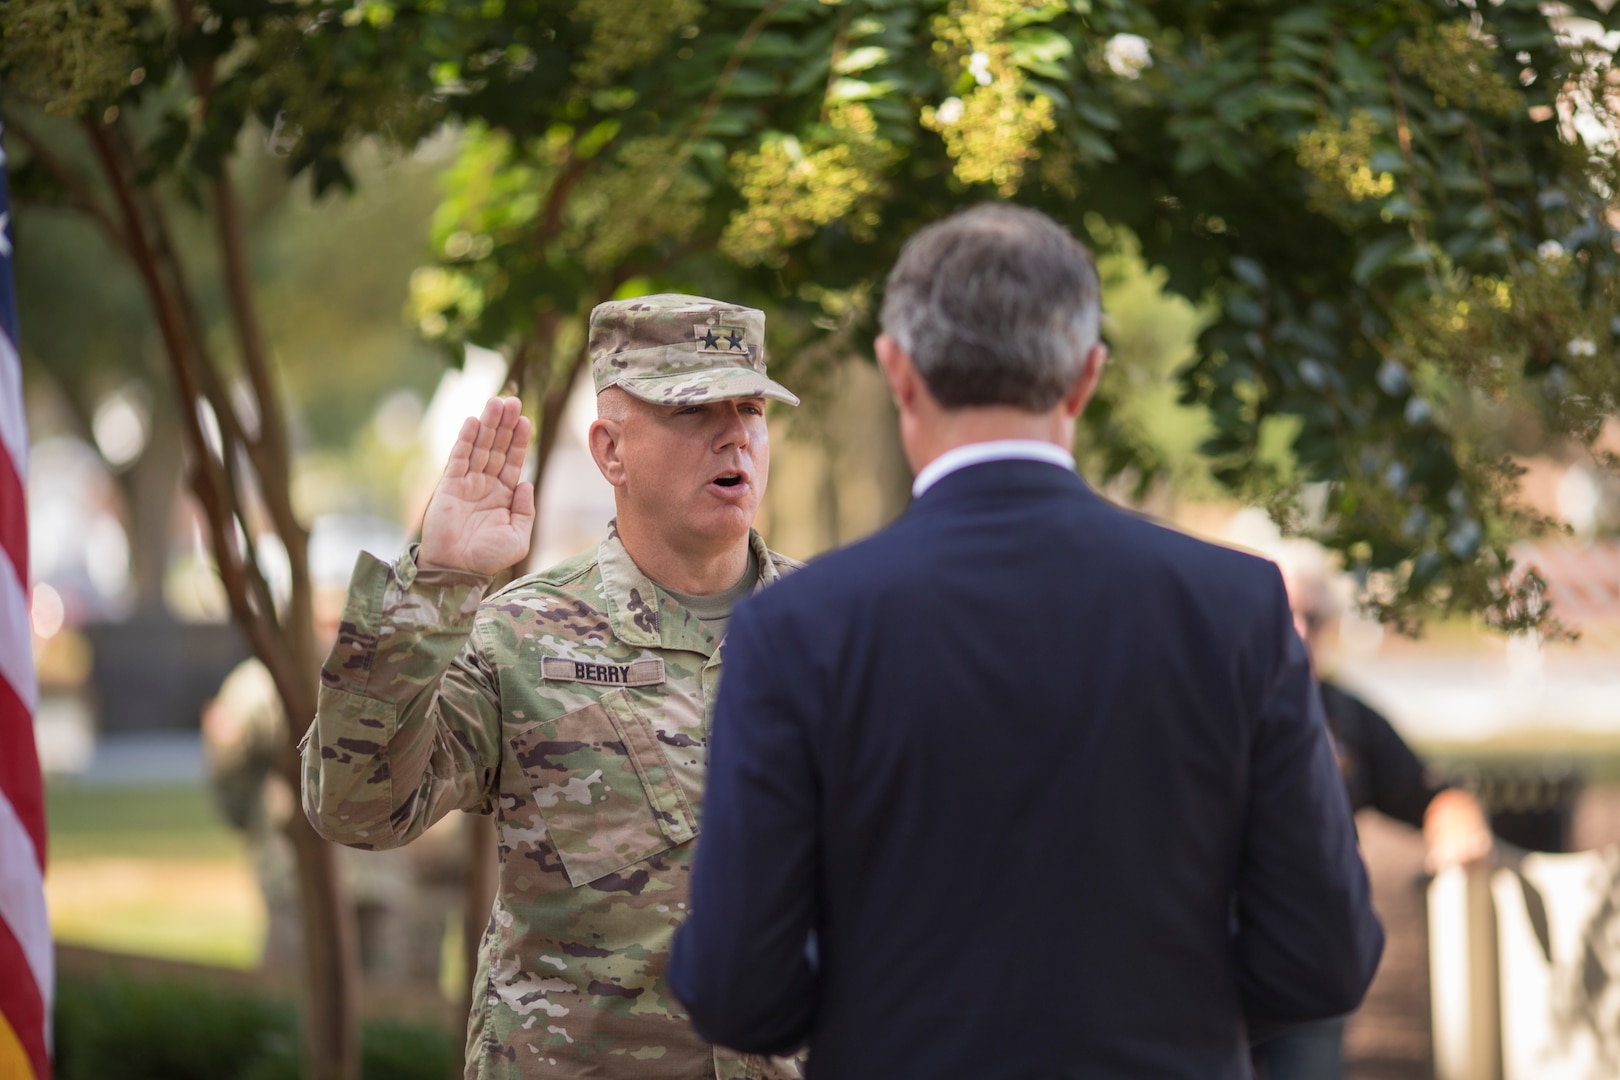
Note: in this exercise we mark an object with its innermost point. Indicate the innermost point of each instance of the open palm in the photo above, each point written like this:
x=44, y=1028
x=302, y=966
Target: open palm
x=481, y=516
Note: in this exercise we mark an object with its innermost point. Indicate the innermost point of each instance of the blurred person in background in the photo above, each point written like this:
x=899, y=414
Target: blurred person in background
x=1380, y=771
x=402, y=899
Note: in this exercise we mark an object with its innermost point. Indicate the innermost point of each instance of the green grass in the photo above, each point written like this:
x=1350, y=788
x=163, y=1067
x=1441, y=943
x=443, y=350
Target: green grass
x=153, y=928
x=152, y=871
x=136, y=822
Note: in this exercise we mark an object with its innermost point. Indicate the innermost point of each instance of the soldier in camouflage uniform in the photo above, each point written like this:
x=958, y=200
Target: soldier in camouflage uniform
x=573, y=704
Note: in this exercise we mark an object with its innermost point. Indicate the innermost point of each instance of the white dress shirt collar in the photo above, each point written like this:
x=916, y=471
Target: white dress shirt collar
x=998, y=450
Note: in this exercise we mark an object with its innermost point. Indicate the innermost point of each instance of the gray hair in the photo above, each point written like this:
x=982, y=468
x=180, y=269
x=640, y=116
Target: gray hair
x=997, y=305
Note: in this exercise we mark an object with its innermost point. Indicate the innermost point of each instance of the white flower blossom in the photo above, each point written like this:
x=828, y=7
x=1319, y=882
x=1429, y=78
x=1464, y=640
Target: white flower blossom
x=1582, y=347
x=1127, y=54
x=979, y=68
x=1549, y=250
x=949, y=111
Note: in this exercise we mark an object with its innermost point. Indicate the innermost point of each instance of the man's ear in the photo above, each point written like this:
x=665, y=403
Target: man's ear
x=1074, y=402
x=606, y=439
x=899, y=372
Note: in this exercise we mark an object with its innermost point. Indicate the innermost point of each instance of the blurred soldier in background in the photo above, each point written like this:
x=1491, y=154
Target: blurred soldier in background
x=1380, y=771
x=402, y=899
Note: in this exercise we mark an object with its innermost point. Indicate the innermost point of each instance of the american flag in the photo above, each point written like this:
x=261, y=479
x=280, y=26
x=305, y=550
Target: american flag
x=27, y=973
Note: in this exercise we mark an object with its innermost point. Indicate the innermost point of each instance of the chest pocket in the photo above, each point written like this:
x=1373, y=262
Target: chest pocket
x=604, y=787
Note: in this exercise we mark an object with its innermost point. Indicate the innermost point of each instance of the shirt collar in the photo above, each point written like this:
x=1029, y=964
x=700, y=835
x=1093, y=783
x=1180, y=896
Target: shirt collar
x=640, y=616
x=996, y=450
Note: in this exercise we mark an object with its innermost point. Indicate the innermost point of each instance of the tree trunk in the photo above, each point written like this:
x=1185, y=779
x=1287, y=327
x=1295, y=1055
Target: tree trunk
x=152, y=486
x=282, y=641
x=481, y=877
x=331, y=1044
x=553, y=403
x=331, y=1036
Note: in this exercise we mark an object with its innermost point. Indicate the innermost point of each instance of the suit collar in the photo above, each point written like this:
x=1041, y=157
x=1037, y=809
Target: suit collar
x=1003, y=477
x=961, y=457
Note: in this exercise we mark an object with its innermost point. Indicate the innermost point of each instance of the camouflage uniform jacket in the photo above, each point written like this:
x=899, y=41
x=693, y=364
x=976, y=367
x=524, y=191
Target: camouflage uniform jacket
x=574, y=706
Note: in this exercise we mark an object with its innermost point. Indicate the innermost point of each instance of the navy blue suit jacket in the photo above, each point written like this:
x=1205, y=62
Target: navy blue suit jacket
x=1048, y=785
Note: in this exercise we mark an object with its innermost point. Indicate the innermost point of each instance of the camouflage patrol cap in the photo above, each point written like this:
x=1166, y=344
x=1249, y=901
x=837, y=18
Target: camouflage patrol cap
x=672, y=349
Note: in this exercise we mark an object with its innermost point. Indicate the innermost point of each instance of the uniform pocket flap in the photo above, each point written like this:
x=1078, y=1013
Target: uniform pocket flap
x=603, y=787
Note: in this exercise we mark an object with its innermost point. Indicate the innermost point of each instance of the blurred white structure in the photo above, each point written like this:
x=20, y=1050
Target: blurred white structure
x=460, y=394
x=1462, y=976
x=76, y=540
x=1525, y=969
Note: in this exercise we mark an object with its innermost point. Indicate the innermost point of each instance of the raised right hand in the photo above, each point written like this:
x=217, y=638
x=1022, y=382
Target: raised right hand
x=481, y=516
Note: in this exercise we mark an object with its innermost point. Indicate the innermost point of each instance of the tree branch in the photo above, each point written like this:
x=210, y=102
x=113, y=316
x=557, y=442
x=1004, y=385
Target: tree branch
x=245, y=316
x=1403, y=135
x=71, y=182
x=1326, y=69
x=210, y=477
x=733, y=62
x=1490, y=191
x=517, y=369
x=268, y=452
x=840, y=43
x=267, y=448
x=573, y=171
x=235, y=445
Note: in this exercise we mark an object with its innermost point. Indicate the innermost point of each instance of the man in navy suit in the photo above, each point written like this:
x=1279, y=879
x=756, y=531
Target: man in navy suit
x=1024, y=786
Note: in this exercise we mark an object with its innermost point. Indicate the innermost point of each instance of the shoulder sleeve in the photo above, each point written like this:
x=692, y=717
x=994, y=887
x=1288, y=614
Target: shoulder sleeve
x=407, y=722
x=1306, y=938
x=741, y=961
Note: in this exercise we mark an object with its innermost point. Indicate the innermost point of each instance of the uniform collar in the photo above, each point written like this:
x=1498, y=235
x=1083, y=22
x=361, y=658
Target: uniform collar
x=640, y=616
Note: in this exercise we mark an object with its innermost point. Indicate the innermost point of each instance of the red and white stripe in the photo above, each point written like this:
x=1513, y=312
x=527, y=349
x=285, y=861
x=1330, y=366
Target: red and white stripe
x=27, y=972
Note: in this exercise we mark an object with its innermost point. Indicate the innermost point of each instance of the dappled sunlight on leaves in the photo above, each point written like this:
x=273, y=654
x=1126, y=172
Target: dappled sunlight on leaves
x=992, y=127
x=791, y=187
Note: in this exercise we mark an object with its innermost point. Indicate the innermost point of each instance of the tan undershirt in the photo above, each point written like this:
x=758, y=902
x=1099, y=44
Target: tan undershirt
x=715, y=608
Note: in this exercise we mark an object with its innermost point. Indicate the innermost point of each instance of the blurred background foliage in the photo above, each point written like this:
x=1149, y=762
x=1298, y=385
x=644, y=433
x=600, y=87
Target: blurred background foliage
x=333, y=280
x=1361, y=196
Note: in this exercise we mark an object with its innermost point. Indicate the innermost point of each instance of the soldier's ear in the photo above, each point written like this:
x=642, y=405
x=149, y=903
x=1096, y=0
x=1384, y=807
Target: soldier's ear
x=606, y=439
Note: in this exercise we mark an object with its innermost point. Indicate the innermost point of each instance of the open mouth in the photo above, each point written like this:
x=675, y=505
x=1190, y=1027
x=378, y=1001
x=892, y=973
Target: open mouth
x=728, y=480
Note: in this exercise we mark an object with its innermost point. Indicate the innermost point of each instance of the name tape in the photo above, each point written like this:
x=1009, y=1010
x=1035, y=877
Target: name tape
x=636, y=673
